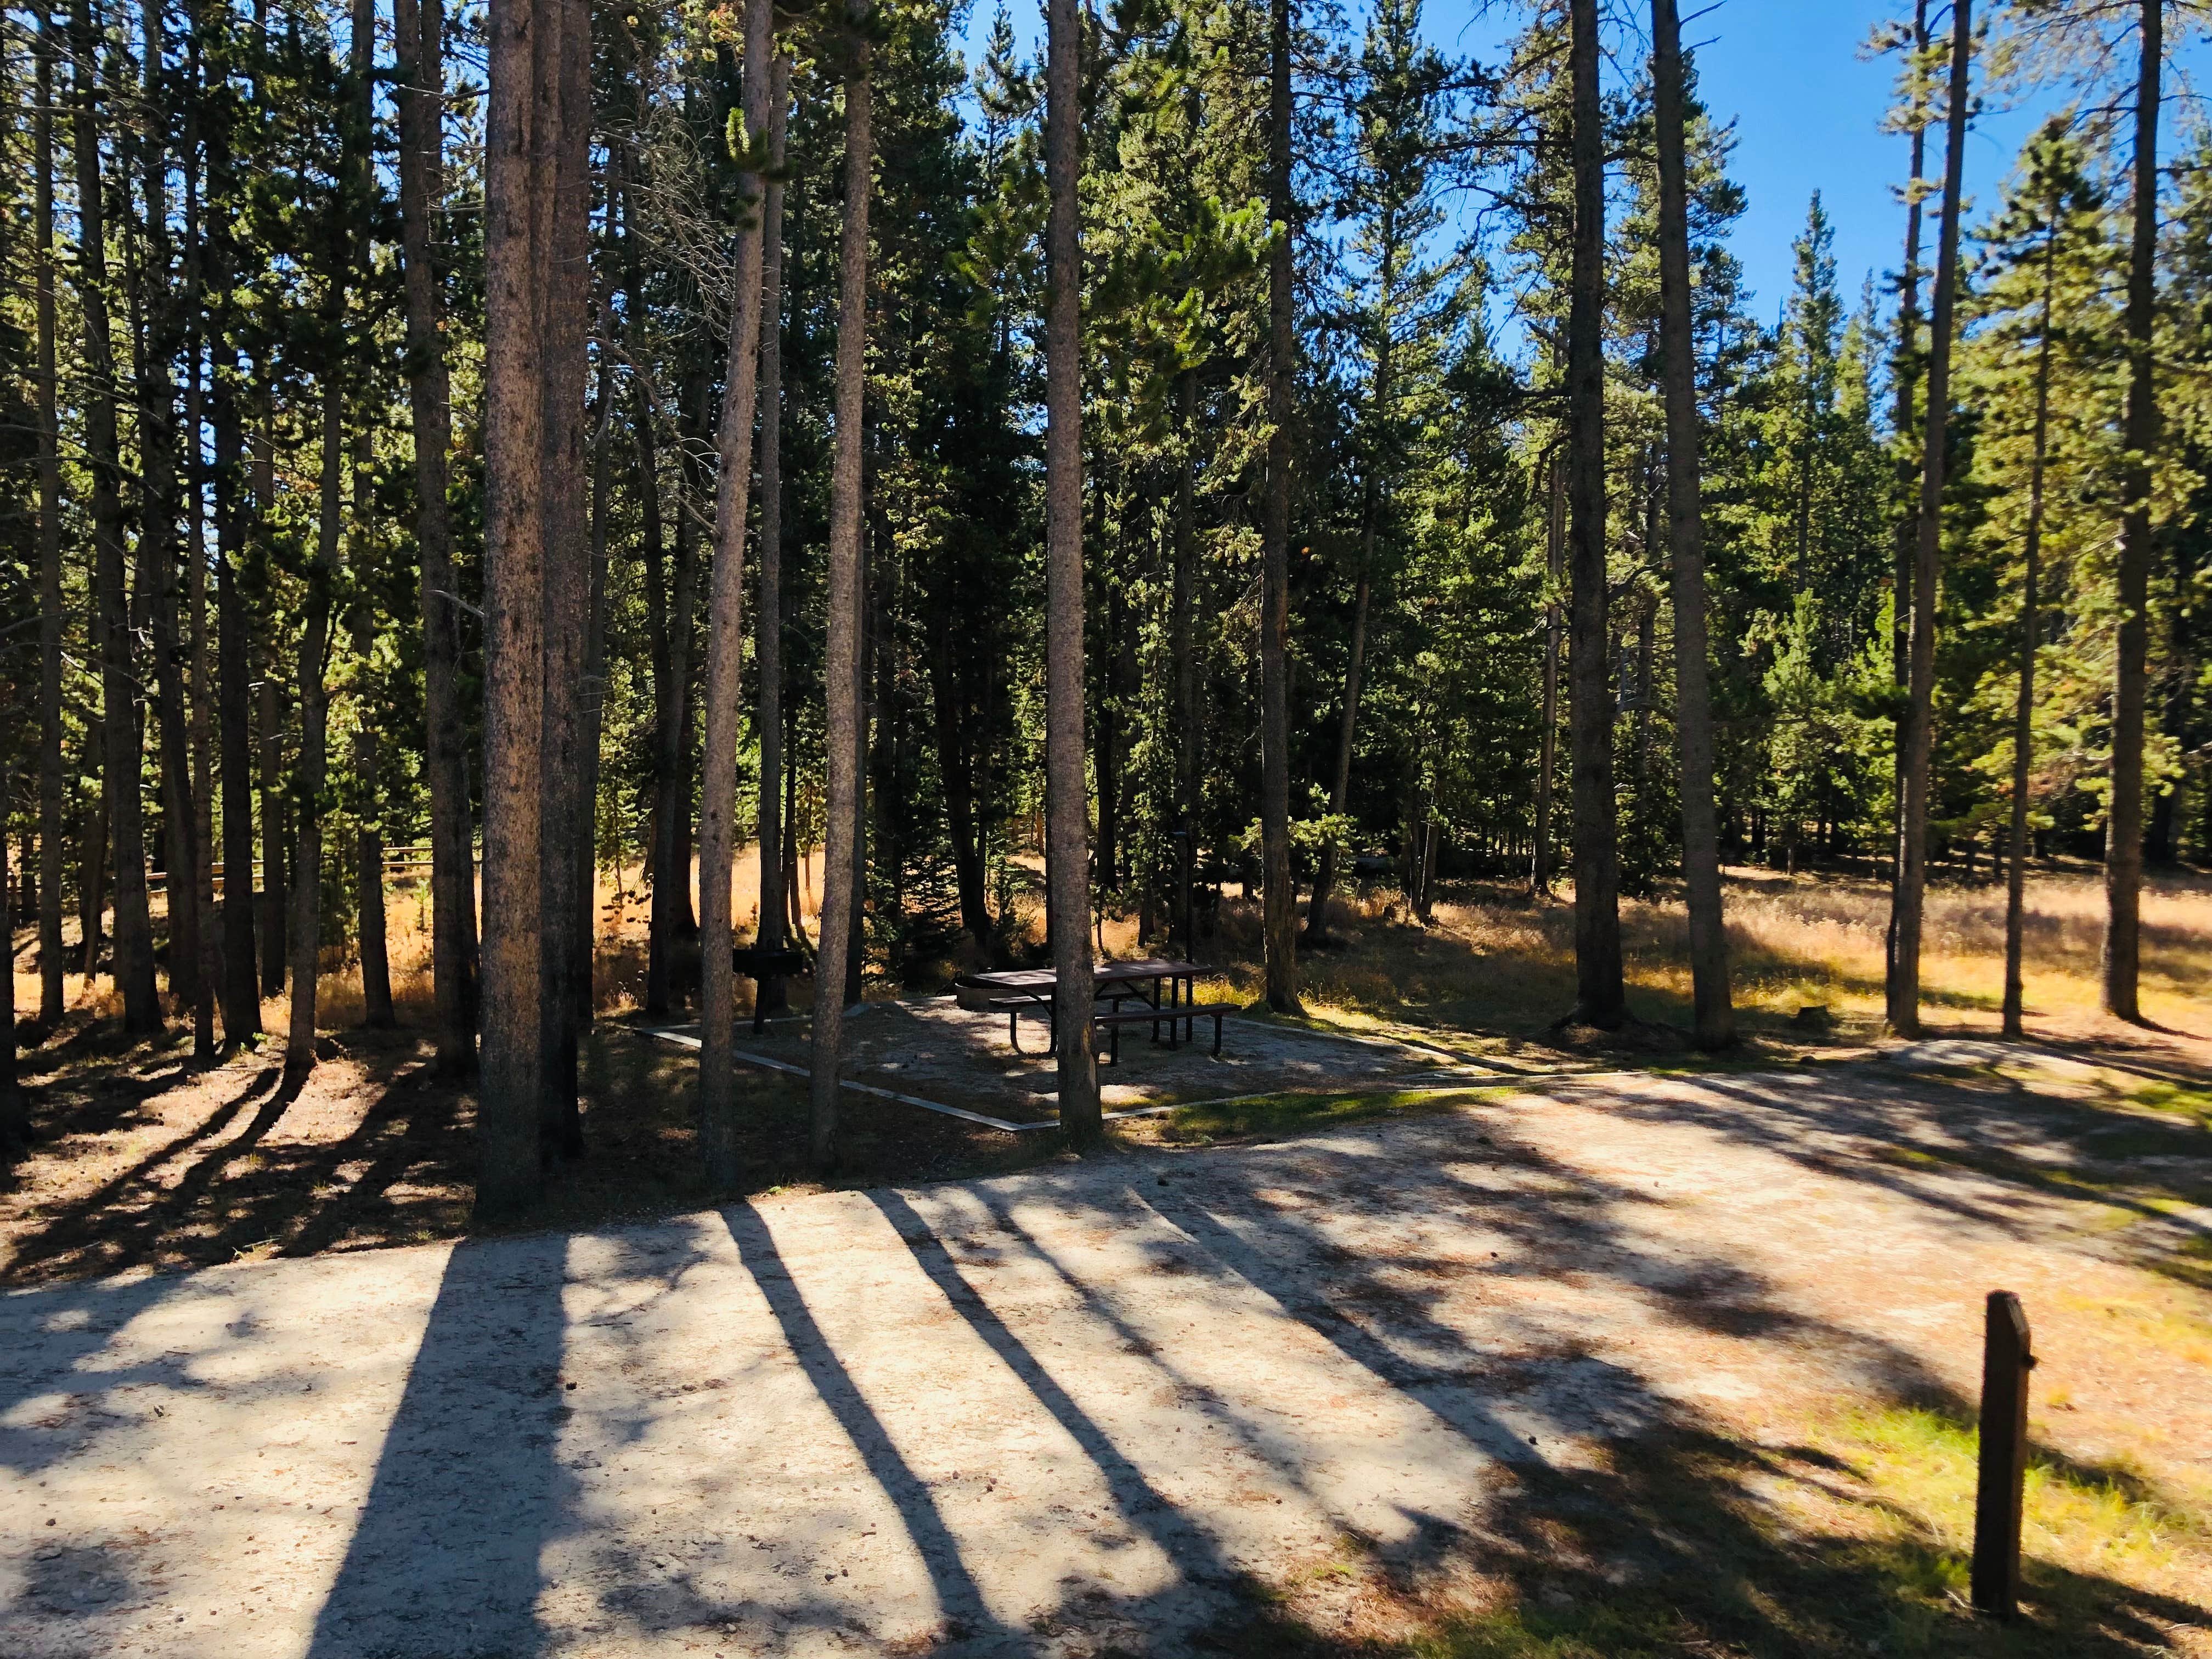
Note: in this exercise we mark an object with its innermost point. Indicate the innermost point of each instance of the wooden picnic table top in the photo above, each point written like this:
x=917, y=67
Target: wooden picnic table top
x=1104, y=973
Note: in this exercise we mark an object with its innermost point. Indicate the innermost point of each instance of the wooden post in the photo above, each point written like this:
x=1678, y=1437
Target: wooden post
x=2006, y=1361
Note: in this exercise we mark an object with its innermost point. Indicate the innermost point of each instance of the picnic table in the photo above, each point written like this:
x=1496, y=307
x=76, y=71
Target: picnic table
x=1164, y=991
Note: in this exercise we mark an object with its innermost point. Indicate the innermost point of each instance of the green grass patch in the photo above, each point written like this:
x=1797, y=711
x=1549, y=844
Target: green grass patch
x=1293, y=1113
x=2195, y=1104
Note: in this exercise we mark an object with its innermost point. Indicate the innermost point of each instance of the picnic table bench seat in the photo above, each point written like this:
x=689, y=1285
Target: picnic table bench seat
x=1111, y=1020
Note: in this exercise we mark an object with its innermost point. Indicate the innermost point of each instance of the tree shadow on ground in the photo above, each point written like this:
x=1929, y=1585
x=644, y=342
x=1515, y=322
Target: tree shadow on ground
x=2048, y=1162
x=1604, y=1514
x=1673, y=1539
x=446, y=1556
x=218, y=1188
x=375, y=1148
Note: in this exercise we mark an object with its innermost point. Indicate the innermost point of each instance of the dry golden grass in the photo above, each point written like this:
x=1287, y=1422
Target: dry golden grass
x=1491, y=961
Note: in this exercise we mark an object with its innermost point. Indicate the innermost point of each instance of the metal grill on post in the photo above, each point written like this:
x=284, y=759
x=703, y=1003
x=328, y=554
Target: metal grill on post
x=2006, y=1361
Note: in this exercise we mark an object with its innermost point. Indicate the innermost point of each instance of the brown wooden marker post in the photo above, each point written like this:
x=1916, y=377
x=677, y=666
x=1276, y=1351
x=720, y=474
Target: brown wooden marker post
x=2006, y=1361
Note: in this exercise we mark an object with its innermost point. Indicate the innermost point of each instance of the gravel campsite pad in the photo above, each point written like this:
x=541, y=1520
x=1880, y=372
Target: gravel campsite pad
x=941, y=1052
x=1150, y=1403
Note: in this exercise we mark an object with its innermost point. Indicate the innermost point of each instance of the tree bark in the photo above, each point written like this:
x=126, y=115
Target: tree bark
x=347, y=249
x=1906, y=377
x=564, y=836
x=1599, y=997
x=1185, y=651
x=1701, y=839
x=2123, y=841
x=1068, y=862
x=582, y=988
x=1547, y=737
x=767, y=621
x=268, y=708
x=1908, y=899
x=313, y=766
x=51, y=615
x=202, y=728
x=15, y=1112
x=155, y=301
x=2023, y=725
x=367, y=764
x=242, y=984
x=841, y=667
x=671, y=917
x=523, y=115
x=134, y=926
x=1279, y=912
x=419, y=26
x=718, y=799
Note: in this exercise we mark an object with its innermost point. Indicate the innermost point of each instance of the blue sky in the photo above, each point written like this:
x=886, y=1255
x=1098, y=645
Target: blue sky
x=1806, y=107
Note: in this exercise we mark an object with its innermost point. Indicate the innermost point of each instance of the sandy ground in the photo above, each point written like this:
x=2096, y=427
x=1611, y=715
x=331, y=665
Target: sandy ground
x=1085, y=1409
x=931, y=1047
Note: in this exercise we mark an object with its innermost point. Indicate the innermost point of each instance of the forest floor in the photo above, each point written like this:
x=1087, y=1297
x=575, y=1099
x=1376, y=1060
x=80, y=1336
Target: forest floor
x=1037, y=1406
x=146, y=1161
x=1577, y=1366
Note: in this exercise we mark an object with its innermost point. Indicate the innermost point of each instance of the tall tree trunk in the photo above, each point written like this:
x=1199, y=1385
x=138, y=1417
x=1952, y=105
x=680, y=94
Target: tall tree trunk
x=1909, y=897
x=269, y=706
x=1600, y=996
x=1693, y=716
x=2023, y=725
x=202, y=726
x=718, y=778
x=241, y=983
x=134, y=926
x=1068, y=862
x=659, y=626
x=522, y=118
x=1547, y=737
x=1339, y=794
x=585, y=945
x=840, y=669
x=2123, y=840
x=92, y=872
x=305, y=933
x=768, y=622
x=51, y=614
x=1185, y=651
x=1106, y=736
x=1279, y=916
x=367, y=764
x=15, y=1112
x=347, y=248
x=564, y=837
x=155, y=299
x=1904, y=378
x=419, y=26
x=671, y=917
x=955, y=767
x=1371, y=506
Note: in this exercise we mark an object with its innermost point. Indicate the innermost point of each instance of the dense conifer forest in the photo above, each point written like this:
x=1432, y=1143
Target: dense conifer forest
x=1234, y=453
